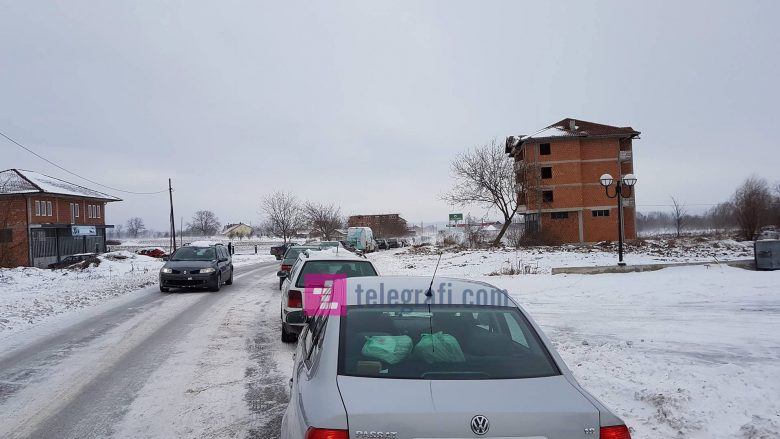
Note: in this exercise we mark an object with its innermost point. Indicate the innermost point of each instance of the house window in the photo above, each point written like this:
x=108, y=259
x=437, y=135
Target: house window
x=48, y=208
x=5, y=235
x=602, y=212
x=98, y=210
x=544, y=149
x=547, y=196
x=38, y=208
x=559, y=215
x=89, y=211
x=77, y=210
x=547, y=172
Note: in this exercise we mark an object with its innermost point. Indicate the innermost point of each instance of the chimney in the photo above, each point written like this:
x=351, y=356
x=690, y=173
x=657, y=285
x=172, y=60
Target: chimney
x=572, y=124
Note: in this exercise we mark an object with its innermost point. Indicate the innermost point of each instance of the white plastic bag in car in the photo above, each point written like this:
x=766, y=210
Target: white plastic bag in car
x=388, y=348
x=439, y=348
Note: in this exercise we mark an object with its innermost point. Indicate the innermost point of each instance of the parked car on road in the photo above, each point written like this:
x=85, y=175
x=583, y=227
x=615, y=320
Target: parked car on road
x=154, y=252
x=311, y=263
x=279, y=250
x=362, y=238
x=70, y=260
x=451, y=367
x=393, y=243
x=382, y=244
x=290, y=256
x=196, y=266
x=329, y=244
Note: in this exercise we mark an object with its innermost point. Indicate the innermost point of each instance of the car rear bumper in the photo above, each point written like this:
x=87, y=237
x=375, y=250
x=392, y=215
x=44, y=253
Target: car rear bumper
x=187, y=280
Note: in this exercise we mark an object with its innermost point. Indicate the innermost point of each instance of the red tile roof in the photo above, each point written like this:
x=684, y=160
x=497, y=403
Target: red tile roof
x=572, y=128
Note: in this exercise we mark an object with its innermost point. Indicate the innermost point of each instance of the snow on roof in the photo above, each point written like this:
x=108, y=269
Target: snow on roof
x=13, y=183
x=572, y=128
x=202, y=244
x=19, y=181
x=330, y=253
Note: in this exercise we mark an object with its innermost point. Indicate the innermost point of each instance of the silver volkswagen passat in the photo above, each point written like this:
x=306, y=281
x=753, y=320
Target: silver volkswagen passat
x=404, y=357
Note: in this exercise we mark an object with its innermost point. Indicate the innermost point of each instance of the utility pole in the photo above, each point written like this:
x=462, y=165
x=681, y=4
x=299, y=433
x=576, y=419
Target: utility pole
x=173, y=221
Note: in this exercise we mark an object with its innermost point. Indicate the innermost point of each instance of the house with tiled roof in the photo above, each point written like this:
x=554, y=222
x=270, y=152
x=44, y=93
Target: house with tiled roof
x=559, y=167
x=44, y=219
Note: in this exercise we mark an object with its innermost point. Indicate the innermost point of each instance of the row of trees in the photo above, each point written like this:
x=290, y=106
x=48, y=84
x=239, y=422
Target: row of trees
x=753, y=205
x=285, y=215
x=202, y=223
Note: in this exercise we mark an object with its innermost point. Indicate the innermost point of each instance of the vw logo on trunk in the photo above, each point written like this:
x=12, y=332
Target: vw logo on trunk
x=480, y=425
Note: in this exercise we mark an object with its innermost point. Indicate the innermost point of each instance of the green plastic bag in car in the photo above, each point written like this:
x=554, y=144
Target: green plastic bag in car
x=439, y=348
x=389, y=348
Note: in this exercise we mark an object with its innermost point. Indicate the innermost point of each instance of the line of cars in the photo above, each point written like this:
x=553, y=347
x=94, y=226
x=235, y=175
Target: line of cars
x=413, y=357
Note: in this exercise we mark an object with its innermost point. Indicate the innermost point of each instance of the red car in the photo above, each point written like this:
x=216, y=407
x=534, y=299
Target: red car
x=154, y=252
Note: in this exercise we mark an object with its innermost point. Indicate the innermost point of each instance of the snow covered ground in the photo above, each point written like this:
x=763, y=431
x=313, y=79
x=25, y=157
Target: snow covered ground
x=689, y=352
x=30, y=295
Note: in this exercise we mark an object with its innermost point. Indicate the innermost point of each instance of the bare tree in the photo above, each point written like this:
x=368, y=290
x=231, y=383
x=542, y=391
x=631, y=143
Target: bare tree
x=324, y=218
x=204, y=223
x=752, y=201
x=285, y=215
x=486, y=176
x=679, y=215
x=135, y=226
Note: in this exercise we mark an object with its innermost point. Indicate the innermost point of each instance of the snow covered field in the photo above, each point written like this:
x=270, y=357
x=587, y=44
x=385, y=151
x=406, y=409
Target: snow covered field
x=30, y=295
x=689, y=352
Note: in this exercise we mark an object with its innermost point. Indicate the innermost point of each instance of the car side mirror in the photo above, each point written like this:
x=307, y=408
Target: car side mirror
x=166, y=258
x=223, y=260
x=282, y=274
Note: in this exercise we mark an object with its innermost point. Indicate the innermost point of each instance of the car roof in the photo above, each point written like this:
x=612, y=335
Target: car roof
x=455, y=291
x=331, y=254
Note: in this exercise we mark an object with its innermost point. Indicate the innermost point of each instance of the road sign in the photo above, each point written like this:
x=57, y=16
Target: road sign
x=456, y=217
x=83, y=231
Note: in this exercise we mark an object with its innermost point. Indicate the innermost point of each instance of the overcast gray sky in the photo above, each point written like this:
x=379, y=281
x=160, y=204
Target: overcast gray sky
x=364, y=103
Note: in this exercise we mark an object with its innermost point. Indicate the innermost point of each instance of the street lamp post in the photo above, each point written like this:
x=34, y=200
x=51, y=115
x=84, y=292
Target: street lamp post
x=623, y=188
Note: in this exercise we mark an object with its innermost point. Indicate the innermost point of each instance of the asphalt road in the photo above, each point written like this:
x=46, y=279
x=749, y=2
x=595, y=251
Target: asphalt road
x=189, y=364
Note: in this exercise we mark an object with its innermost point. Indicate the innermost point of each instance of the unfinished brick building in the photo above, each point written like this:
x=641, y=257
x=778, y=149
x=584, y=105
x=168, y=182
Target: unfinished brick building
x=560, y=166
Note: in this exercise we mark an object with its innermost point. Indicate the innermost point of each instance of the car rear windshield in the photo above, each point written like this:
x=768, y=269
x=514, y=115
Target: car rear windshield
x=194, y=254
x=348, y=268
x=448, y=343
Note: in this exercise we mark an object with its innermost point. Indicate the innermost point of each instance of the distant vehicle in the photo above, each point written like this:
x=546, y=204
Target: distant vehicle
x=362, y=238
x=290, y=256
x=196, y=266
x=113, y=242
x=382, y=244
x=317, y=262
x=389, y=369
x=279, y=250
x=393, y=243
x=67, y=261
x=154, y=252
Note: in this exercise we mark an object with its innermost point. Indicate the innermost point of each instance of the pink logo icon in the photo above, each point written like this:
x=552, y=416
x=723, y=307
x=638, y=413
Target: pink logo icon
x=324, y=294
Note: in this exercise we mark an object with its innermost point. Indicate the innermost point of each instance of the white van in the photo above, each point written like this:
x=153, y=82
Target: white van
x=362, y=238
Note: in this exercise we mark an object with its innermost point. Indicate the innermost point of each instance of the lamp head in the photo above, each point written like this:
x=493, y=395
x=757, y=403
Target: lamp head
x=629, y=179
x=605, y=180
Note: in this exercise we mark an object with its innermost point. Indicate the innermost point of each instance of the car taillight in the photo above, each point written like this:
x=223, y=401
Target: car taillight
x=615, y=432
x=285, y=267
x=294, y=299
x=324, y=433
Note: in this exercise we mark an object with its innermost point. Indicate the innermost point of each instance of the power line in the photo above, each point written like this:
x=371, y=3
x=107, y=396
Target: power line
x=73, y=173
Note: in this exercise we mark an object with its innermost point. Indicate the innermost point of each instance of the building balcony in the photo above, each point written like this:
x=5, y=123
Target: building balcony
x=626, y=156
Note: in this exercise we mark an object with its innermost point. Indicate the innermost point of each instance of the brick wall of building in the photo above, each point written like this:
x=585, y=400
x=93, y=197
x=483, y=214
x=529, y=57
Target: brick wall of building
x=61, y=210
x=561, y=230
x=13, y=217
